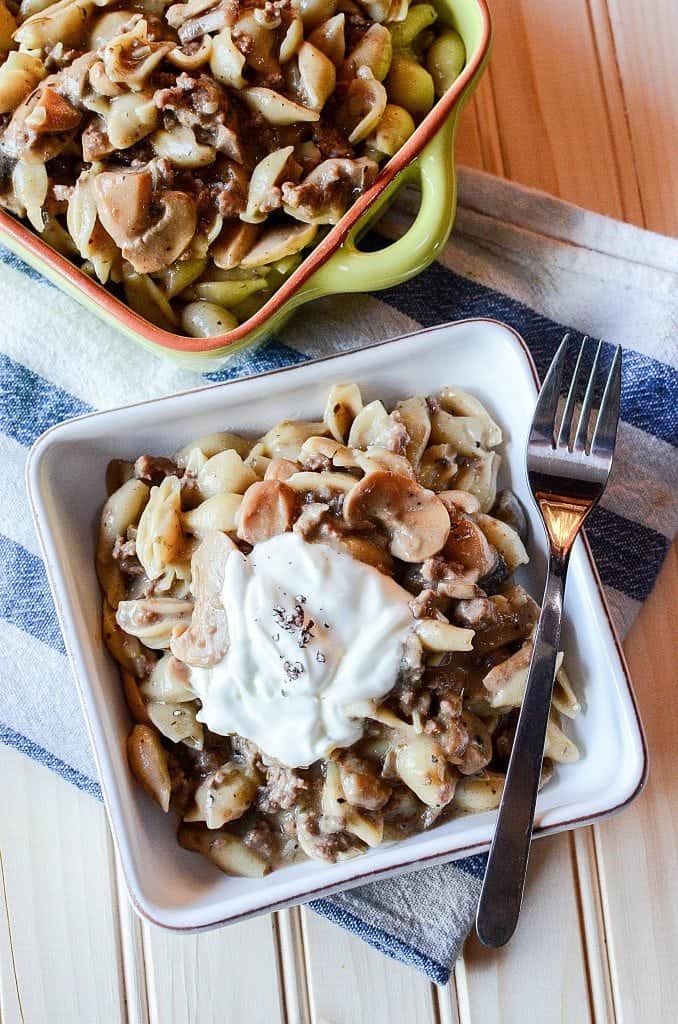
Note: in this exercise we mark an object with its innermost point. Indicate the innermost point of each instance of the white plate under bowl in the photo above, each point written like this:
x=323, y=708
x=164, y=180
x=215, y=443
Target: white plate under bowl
x=65, y=474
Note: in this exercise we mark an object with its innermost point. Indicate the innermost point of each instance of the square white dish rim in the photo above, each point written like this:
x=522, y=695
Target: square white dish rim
x=395, y=857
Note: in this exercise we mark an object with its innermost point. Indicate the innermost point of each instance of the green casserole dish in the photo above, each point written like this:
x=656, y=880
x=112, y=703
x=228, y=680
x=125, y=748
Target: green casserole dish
x=336, y=265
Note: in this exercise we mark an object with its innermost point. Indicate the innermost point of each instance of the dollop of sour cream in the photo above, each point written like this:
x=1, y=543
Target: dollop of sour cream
x=312, y=631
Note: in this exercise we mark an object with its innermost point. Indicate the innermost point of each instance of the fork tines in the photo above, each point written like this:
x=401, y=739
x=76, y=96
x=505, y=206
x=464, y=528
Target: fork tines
x=583, y=420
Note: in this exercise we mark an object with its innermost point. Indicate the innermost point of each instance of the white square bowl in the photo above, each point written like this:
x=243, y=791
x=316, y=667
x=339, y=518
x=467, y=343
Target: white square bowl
x=65, y=476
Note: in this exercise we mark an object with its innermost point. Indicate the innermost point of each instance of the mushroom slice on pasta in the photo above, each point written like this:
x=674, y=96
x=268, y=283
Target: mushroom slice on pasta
x=415, y=520
x=278, y=243
x=205, y=642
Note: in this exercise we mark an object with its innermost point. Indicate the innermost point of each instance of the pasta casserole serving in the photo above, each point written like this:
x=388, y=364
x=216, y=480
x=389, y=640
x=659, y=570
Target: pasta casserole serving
x=186, y=155
x=321, y=640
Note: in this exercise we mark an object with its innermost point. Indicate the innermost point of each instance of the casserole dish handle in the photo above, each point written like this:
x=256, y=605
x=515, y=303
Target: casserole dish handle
x=350, y=270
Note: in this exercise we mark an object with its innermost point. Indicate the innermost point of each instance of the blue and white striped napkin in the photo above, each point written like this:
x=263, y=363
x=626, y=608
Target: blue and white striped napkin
x=516, y=255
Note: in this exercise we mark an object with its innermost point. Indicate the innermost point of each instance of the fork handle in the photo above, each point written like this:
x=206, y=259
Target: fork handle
x=504, y=881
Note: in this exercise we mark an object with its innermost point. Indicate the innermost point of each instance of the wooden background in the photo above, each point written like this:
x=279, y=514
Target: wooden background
x=581, y=101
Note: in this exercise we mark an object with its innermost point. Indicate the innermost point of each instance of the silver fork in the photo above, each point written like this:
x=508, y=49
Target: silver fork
x=568, y=466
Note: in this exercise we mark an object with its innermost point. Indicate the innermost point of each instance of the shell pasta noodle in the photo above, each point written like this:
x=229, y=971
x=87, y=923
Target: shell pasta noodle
x=187, y=155
x=321, y=641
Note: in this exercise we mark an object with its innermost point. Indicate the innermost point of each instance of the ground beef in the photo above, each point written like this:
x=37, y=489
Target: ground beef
x=125, y=554
x=153, y=469
x=282, y=789
x=262, y=840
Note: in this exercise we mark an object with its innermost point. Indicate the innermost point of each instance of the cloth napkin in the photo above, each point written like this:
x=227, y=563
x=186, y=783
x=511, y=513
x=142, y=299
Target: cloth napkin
x=516, y=255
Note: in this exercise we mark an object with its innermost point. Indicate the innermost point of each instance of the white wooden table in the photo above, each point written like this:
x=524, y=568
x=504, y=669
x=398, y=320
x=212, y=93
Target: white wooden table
x=581, y=101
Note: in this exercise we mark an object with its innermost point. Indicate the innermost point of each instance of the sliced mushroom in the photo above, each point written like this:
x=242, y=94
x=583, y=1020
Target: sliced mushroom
x=233, y=244
x=148, y=761
x=281, y=469
x=468, y=547
x=322, y=486
x=374, y=457
x=461, y=404
x=415, y=520
x=52, y=113
x=205, y=642
x=267, y=510
x=459, y=501
x=154, y=619
x=279, y=242
x=123, y=200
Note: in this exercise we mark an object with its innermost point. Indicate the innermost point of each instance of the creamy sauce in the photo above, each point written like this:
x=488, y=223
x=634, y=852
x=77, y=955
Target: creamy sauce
x=311, y=632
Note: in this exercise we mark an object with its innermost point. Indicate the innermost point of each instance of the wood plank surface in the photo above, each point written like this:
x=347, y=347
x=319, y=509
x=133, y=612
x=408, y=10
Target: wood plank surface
x=581, y=101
